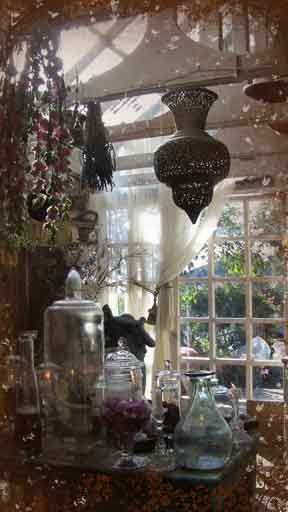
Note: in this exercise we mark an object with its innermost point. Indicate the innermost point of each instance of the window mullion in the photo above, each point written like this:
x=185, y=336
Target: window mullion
x=249, y=305
x=211, y=305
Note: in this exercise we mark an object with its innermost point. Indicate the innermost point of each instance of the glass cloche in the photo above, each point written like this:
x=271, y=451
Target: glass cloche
x=72, y=373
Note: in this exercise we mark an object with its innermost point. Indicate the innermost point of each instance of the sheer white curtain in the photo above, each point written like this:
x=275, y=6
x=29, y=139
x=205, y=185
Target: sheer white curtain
x=160, y=241
x=130, y=221
x=180, y=242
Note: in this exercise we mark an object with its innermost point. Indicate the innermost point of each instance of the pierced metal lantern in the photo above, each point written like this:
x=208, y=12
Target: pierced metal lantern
x=191, y=162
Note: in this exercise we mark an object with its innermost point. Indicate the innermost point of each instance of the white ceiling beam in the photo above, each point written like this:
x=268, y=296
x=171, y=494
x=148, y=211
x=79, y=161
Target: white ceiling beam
x=242, y=164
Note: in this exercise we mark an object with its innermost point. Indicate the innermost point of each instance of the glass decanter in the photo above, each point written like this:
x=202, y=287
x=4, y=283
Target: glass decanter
x=125, y=411
x=9, y=374
x=203, y=439
x=27, y=421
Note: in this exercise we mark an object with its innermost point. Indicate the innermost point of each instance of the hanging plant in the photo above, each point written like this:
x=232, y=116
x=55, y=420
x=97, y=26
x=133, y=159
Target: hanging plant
x=50, y=177
x=13, y=163
x=33, y=110
x=99, y=161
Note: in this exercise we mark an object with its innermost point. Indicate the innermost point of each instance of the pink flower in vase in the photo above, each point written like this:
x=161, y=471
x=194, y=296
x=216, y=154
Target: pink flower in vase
x=126, y=415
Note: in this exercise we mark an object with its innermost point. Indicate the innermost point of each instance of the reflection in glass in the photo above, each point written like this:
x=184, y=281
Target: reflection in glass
x=230, y=300
x=194, y=299
x=232, y=374
x=231, y=340
x=268, y=299
x=273, y=335
x=118, y=225
x=268, y=383
x=194, y=339
x=229, y=258
x=231, y=222
x=266, y=217
x=267, y=258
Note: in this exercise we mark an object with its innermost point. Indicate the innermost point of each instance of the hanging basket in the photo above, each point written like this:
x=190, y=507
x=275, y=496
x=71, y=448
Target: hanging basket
x=38, y=209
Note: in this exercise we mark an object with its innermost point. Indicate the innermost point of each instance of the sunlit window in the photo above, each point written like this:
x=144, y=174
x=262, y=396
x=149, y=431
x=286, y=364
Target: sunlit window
x=232, y=300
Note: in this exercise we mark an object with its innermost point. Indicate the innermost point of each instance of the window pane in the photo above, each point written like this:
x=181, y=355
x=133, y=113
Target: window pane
x=231, y=374
x=231, y=222
x=268, y=299
x=117, y=225
x=198, y=266
x=266, y=217
x=230, y=300
x=230, y=340
x=267, y=258
x=229, y=258
x=190, y=365
x=194, y=299
x=194, y=339
x=268, y=341
x=118, y=264
x=268, y=383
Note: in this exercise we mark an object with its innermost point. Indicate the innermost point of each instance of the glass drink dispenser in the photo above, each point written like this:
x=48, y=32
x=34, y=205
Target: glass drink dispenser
x=71, y=377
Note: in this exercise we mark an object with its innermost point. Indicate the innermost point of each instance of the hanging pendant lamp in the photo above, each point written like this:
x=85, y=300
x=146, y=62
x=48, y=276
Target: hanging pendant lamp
x=268, y=91
x=191, y=162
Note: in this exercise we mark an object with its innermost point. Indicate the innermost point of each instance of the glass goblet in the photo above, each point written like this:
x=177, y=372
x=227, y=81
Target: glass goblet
x=124, y=419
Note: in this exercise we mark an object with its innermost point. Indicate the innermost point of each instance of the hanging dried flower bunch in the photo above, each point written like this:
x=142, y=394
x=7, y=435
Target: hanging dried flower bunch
x=98, y=154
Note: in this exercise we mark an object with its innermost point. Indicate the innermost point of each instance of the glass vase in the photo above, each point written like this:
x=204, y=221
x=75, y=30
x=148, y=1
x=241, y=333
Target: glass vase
x=123, y=420
x=203, y=439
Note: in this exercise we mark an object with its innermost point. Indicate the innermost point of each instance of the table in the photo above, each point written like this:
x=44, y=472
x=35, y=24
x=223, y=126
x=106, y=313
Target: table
x=272, y=456
x=34, y=486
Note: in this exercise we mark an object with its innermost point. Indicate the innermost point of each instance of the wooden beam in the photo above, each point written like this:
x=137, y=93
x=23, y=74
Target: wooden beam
x=164, y=125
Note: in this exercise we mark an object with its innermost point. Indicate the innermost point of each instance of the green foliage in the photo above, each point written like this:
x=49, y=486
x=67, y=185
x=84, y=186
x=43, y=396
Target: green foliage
x=229, y=257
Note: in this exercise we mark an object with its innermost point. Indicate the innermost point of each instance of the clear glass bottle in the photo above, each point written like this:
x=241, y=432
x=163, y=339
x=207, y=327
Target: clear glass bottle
x=27, y=421
x=203, y=439
x=169, y=381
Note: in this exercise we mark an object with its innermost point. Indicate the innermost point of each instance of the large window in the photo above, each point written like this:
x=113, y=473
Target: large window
x=232, y=299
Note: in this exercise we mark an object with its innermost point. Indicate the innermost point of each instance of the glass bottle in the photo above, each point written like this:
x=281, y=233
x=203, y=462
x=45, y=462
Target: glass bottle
x=169, y=381
x=27, y=421
x=9, y=372
x=203, y=439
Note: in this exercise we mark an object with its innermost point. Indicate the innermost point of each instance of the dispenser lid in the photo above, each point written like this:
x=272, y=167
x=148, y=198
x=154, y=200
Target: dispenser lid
x=73, y=295
x=122, y=357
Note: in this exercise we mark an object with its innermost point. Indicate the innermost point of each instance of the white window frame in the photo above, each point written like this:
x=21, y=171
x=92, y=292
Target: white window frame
x=249, y=363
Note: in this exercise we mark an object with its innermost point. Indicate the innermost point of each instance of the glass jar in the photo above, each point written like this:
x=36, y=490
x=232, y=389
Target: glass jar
x=125, y=412
x=203, y=439
x=72, y=373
